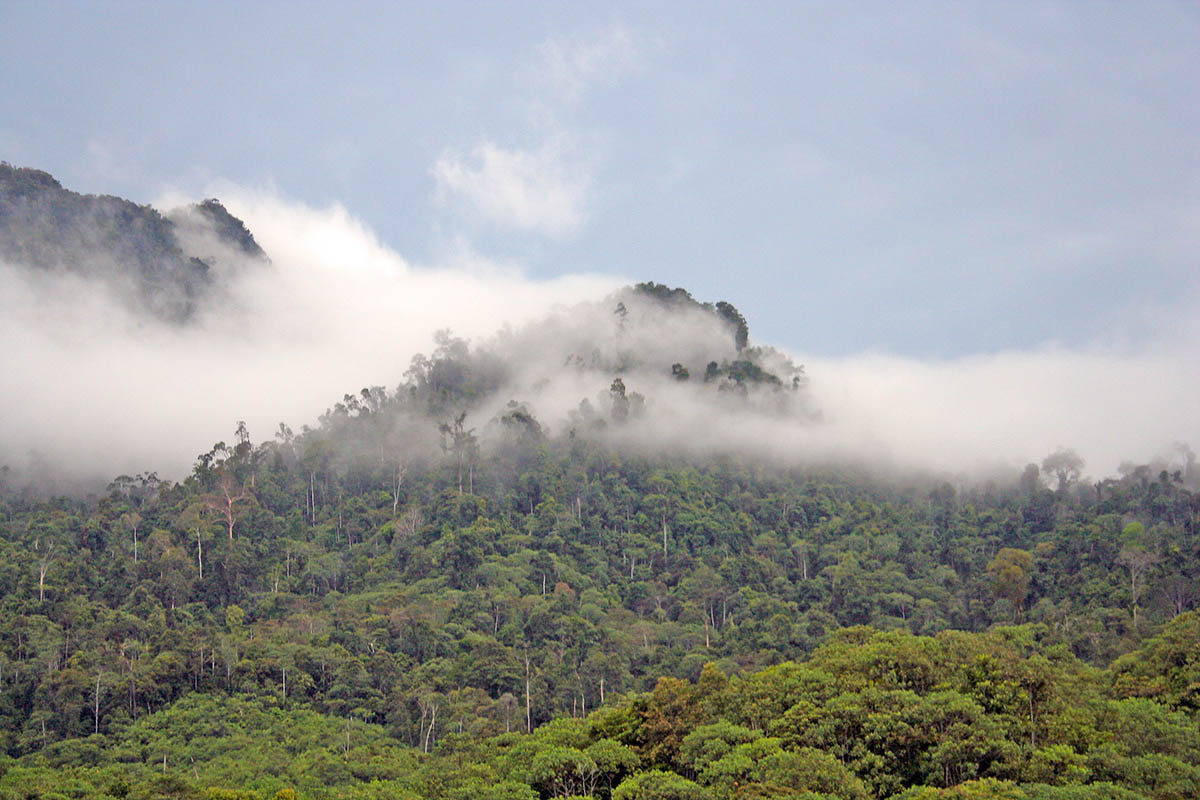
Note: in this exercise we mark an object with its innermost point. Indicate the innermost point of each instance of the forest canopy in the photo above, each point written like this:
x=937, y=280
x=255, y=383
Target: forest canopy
x=590, y=557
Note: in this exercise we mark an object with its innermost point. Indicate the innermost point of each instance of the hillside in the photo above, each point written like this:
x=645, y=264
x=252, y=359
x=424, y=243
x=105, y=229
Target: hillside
x=398, y=567
x=601, y=554
x=164, y=266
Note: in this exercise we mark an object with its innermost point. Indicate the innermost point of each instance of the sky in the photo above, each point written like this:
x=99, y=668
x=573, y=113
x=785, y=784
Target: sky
x=900, y=194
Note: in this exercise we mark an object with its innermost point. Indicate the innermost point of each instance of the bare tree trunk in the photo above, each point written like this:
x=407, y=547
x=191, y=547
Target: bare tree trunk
x=132, y=691
x=96, y=704
x=397, y=480
x=432, y=722
x=312, y=498
x=528, y=706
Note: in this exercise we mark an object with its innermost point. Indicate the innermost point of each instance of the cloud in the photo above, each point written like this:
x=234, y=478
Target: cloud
x=984, y=415
x=569, y=66
x=93, y=390
x=542, y=191
x=1014, y=407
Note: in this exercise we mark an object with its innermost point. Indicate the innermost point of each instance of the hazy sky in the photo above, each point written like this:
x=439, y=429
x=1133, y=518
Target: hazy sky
x=918, y=179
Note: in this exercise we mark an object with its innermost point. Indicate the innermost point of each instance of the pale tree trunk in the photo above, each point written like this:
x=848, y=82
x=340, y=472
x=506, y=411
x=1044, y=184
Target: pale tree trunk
x=312, y=498
x=528, y=705
x=96, y=704
x=432, y=722
x=43, y=568
x=397, y=480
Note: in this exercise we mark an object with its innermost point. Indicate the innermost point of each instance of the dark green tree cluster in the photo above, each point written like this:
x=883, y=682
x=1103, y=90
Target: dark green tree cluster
x=870, y=714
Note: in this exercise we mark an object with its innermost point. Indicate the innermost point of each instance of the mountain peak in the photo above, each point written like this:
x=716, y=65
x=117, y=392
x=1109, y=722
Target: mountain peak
x=160, y=265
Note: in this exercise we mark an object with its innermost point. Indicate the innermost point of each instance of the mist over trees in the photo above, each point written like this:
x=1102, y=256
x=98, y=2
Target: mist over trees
x=596, y=555
x=165, y=266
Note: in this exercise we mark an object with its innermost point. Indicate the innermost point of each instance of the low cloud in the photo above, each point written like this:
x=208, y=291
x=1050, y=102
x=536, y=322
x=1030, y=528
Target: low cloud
x=1013, y=408
x=93, y=390
x=974, y=417
x=541, y=191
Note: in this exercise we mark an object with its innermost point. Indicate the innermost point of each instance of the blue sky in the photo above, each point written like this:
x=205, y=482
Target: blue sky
x=923, y=179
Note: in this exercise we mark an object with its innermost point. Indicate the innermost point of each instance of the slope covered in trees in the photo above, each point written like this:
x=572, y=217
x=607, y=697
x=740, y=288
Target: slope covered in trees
x=868, y=714
x=398, y=586
x=593, y=556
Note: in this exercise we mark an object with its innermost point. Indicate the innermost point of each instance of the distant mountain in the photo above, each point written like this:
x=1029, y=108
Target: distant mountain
x=160, y=265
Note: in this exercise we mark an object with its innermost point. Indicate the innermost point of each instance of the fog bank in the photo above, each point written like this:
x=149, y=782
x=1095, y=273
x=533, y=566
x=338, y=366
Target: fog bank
x=92, y=389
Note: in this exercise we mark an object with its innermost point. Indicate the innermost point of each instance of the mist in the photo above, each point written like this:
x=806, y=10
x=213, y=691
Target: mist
x=985, y=416
x=94, y=389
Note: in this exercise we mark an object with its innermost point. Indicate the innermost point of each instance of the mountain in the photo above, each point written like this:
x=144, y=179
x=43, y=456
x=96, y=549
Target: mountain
x=164, y=266
x=594, y=556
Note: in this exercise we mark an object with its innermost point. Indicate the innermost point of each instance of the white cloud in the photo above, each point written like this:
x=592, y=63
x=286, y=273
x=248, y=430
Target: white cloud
x=543, y=190
x=97, y=391
x=570, y=66
x=1013, y=407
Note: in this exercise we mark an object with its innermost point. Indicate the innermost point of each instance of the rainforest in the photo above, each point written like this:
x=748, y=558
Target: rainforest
x=609, y=553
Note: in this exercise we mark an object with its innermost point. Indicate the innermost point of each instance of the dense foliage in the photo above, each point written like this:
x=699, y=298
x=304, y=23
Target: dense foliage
x=868, y=714
x=437, y=593
x=353, y=604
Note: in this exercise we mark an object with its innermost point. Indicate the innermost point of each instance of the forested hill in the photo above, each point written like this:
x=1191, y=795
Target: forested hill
x=366, y=607
x=161, y=265
x=601, y=555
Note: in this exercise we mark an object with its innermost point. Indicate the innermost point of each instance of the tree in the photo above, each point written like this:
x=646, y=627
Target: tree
x=231, y=499
x=194, y=520
x=659, y=785
x=1010, y=574
x=131, y=520
x=741, y=331
x=463, y=444
x=1137, y=560
x=620, y=402
x=1065, y=465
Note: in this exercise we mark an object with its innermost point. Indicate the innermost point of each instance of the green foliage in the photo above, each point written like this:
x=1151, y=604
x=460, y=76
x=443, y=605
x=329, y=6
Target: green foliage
x=353, y=611
x=659, y=785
